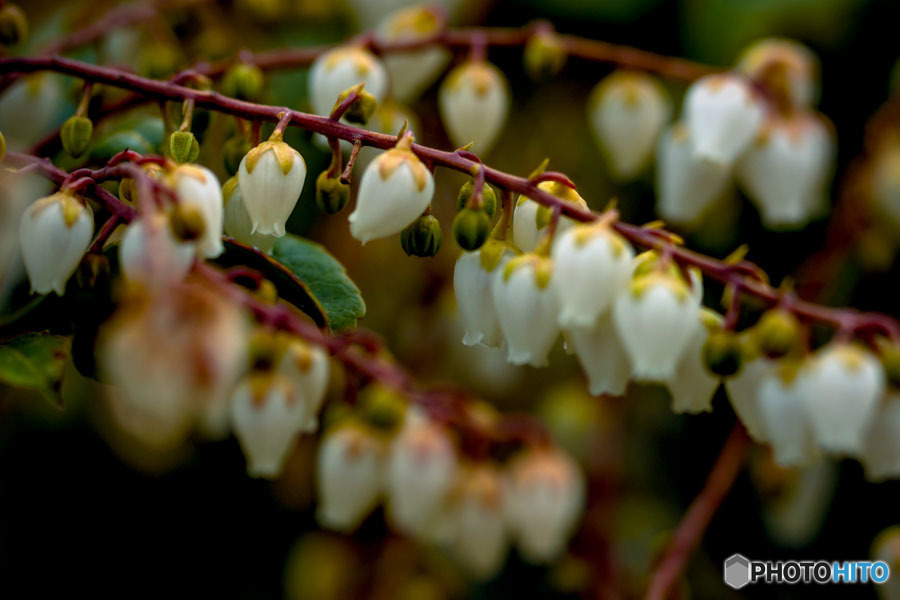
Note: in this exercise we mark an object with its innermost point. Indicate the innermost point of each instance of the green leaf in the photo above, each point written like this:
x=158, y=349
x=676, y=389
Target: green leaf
x=325, y=277
x=35, y=361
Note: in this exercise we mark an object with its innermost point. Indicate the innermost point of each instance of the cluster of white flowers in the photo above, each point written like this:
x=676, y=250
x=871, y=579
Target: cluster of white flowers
x=475, y=509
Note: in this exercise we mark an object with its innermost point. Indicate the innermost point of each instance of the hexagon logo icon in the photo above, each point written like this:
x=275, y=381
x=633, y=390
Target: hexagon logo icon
x=737, y=571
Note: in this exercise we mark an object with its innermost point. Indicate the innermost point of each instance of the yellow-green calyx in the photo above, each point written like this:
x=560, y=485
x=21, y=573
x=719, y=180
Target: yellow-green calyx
x=479, y=75
x=889, y=353
x=332, y=194
x=76, y=134
x=362, y=109
x=542, y=266
x=723, y=353
x=72, y=206
x=492, y=252
x=187, y=223
x=488, y=198
x=414, y=20
x=544, y=55
x=778, y=333
x=676, y=285
x=284, y=154
x=382, y=407
x=402, y=154
x=228, y=188
x=587, y=232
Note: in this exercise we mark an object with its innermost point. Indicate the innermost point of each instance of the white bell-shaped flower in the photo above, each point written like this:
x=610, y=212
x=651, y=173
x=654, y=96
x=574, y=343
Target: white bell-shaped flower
x=743, y=393
x=237, y=221
x=150, y=255
x=656, y=318
x=843, y=385
x=421, y=468
x=591, y=265
x=627, y=111
x=54, y=234
x=788, y=70
x=476, y=520
x=545, y=498
x=724, y=115
x=413, y=71
x=348, y=476
x=693, y=385
x=785, y=172
x=526, y=309
x=265, y=412
x=785, y=419
x=881, y=450
x=393, y=192
x=39, y=96
x=686, y=188
x=337, y=70
x=600, y=353
x=198, y=188
x=473, y=285
x=474, y=103
x=307, y=367
x=531, y=219
x=271, y=178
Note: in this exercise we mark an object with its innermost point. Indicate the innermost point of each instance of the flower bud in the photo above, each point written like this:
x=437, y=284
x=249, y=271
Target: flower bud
x=545, y=500
x=530, y=219
x=592, y=264
x=778, y=333
x=237, y=222
x=151, y=255
x=76, y=134
x=787, y=70
x=381, y=407
x=187, y=223
x=348, y=476
x=471, y=228
x=394, y=191
x=785, y=418
x=722, y=353
x=544, y=55
x=656, y=318
x=233, y=152
x=337, y=70
x=526, y=309
x=474, y=102
x=785, y=172
x=13, y=24
x=473, y=286
x=362, y=108
x=198, y=189
x=743, y=392
x=266, y=415
x=600, y=353
x=723, y=115
x=183, y=147
x=422, y=237
x=627, y=112
x=244, y=82
x=271, y=178
x=693, y=386
x=412, y=72
x=842, y=387
x=881, y=448
x=488, y=198
x=332, y=194
x=54, y=234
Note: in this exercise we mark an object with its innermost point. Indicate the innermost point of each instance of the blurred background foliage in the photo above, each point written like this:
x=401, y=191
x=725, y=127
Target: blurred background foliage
x=84, y=511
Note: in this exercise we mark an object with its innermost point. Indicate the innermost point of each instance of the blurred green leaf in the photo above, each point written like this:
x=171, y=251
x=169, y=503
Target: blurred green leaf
x=35, y=361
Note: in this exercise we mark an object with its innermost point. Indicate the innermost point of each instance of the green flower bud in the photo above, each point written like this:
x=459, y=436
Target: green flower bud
x=544, y=55
x=778, y=333
x=889, y=352
x=2, y=146
x=423, y=237
x=332, y=194
x=183, y=147
x=488, y=198
x=13, y=25
x=362, y=109
x=243, y=81
x=381, y=407
x=722, y=353
x=187, y=223
x=76, y=134
x=233, y=152
x=471, y=228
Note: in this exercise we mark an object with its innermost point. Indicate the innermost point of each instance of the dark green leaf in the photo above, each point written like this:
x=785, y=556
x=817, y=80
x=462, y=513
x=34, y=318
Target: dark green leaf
x=35, y=361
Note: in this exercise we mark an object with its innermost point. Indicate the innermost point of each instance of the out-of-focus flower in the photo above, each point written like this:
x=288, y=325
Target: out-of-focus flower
x=150, y=255
x=198, y=188
x=414, y=71
x=472, y=283
x=476, y=520
x=474, y=102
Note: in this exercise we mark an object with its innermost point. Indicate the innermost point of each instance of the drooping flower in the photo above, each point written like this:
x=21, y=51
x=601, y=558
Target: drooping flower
x=600, y=353
x=531, y=219
x=591, y=265
x=693, y=385
x=337, y=70
x=473, y=286
x=785, y=172
x=627, y=111
x=237, y=221
x=743, y=392
x=412, y=72
x=476, y=520
x=150, y=255
x=545, y=498
x=842, y=386
x=526, y=309
x=474, y=103
x=271, y=178
x=306, y=366
x=881, y=449
x=54, y=234
x=788, y=70
x=198, y=188
x=348, y=476
x=785, y=419
x=723, y=116
x=394, y=191
x=266, y=413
